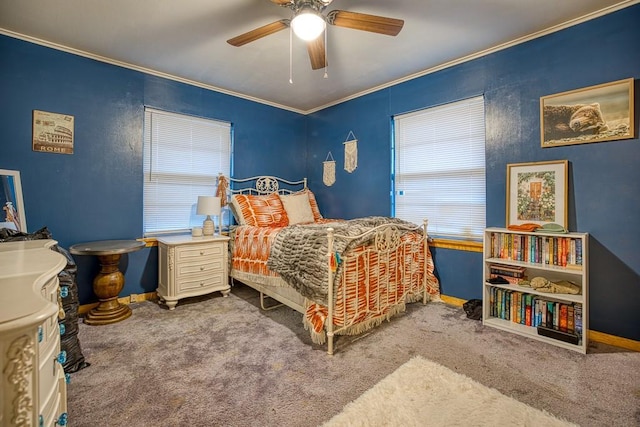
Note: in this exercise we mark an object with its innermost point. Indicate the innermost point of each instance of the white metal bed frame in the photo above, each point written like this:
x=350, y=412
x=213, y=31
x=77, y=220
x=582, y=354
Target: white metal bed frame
x=386, y=239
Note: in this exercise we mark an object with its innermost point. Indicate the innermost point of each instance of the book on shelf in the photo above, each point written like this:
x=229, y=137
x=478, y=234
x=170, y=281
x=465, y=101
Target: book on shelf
x=553, y=250
x=507, y=270
x=562, y=318
x=578, y=319
x=511, y=280
x=535, y=310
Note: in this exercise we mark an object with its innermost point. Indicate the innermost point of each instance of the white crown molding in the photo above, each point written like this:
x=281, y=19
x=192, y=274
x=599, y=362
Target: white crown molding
x=556, y=28
x=524, y=39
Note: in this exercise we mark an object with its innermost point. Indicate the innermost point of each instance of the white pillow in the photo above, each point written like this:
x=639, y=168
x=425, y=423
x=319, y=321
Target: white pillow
x=298, y=208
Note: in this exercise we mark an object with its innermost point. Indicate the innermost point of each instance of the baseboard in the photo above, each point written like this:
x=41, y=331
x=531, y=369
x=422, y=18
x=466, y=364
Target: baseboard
x=596, y=336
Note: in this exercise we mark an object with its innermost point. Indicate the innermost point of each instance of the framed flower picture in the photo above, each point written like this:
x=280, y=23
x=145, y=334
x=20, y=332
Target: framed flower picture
x=537, y=193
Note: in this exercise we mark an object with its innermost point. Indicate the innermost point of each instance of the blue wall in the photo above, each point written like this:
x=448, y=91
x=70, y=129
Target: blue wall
x=604, y=182
x=96, y=193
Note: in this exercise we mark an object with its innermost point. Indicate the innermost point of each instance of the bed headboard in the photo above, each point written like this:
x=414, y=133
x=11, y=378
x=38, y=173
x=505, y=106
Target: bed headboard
x=264, y=185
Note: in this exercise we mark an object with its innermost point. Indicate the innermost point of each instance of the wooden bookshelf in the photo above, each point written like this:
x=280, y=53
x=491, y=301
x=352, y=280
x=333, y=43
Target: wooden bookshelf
x=526, y=255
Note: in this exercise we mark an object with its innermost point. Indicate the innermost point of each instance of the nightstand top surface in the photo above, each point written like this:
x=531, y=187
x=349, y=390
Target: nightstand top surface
x=185, y=239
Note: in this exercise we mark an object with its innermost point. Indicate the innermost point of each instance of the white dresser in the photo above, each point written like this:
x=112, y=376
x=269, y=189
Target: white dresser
x=191, y=266
x=33, y=390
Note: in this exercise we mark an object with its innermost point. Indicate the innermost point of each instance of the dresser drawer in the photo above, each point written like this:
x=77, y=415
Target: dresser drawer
x=50, y=332
x=51, y=408
x=49, y=382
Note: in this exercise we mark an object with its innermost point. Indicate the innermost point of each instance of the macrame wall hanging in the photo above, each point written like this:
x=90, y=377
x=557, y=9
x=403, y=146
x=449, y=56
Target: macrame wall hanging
x=351, y=153
x=329, y=171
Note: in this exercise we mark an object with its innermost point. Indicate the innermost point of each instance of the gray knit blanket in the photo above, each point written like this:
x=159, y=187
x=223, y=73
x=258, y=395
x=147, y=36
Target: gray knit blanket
x=299, y=252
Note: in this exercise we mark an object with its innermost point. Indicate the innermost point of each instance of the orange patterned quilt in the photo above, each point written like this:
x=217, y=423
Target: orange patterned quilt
x=373, y=286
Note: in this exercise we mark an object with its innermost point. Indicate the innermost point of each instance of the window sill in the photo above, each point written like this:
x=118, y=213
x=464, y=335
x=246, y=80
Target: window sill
x=458, y=245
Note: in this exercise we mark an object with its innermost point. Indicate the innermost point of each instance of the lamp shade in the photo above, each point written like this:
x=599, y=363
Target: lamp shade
x=208, y=205
x=308, y=24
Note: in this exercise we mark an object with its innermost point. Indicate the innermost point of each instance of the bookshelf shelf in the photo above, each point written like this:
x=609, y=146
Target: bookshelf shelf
x=559, y=258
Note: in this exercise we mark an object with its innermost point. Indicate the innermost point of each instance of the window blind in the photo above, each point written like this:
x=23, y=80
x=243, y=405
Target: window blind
x=182, y=158
x=439, y=171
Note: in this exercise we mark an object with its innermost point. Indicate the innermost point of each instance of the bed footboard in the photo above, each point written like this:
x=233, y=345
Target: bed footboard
x=374, y=282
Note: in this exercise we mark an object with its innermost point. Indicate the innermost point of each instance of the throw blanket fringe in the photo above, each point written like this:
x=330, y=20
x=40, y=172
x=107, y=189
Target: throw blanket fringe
x=317, y=331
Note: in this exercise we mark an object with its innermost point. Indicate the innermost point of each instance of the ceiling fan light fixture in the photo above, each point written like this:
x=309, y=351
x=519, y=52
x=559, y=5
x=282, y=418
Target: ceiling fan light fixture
x=308, y=24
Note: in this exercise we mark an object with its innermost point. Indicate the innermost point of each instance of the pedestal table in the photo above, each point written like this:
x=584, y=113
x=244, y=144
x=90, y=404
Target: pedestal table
x=110, y=280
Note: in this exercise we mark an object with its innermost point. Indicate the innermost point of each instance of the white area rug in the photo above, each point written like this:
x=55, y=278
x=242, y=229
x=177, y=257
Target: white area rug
x=423, y=393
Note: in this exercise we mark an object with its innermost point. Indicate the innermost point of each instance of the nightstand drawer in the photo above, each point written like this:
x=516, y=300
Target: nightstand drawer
x=195, y=252
x=204, y=266
x=211, y=280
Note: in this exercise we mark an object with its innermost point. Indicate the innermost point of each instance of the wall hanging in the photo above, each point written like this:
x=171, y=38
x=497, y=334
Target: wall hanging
x=351, y=153
x=52, y=132
x=593, y=114
x=537, y=193
x=329, y=171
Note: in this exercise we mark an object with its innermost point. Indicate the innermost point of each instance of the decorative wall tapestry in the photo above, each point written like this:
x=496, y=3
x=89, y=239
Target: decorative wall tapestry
x=350, y=153
x=329, y=171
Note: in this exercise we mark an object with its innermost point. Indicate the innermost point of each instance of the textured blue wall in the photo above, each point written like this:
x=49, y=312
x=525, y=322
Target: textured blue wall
x=604, y=181
x=96, y=193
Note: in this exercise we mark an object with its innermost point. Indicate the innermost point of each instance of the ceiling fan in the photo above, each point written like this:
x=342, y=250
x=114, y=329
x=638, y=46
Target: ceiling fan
x=309, y=23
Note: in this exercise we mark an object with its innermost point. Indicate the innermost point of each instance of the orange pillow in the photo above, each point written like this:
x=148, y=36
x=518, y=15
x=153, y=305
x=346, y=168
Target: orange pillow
x=314, y=206
x=262, y=211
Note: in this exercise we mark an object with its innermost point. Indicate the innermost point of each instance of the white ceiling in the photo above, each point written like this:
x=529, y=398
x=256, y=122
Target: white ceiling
x=186, y=40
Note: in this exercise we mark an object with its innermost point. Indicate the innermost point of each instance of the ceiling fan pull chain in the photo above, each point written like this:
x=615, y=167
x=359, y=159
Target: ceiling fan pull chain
x=290, y=55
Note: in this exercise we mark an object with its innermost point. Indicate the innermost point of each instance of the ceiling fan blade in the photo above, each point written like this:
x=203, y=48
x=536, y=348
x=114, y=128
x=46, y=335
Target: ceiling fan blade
x=258, y=33
x=364, y=22
x=317, y=53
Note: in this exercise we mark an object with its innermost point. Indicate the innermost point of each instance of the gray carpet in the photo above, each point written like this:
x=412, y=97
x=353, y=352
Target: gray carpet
x=217, y=361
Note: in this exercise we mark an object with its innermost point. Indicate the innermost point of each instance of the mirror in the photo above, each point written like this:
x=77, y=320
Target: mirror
x=12, y=213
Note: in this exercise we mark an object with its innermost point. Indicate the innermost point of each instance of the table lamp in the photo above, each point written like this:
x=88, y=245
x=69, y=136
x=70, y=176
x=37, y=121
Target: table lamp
x=208, y=205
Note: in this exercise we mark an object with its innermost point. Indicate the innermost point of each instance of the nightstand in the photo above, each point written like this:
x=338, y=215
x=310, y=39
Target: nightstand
x=191, y=266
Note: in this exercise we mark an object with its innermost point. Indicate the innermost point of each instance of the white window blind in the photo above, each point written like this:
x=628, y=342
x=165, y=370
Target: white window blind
x=182, y=158
x=440, y=168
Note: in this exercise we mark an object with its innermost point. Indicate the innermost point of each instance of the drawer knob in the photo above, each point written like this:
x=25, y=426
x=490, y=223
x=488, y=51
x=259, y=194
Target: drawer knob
x=62, y=419
x=201, y=252
x=202, y=268
x=64, y=291
x=201, y=283
x=62, y=357
x=62, y=328
x=40, y=333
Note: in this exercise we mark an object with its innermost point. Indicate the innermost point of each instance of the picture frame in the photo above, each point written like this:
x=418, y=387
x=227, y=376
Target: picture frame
x=593, y=114
x=52, y=132
x=537, y=193
x=12, y=214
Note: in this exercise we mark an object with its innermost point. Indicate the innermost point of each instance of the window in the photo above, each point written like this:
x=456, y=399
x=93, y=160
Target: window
x=183, y=156
x=439, y=168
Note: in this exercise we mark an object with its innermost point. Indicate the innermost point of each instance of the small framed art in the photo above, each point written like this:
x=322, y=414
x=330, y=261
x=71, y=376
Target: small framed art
x=592, y=114
x=52, y=132
x=537, y=193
